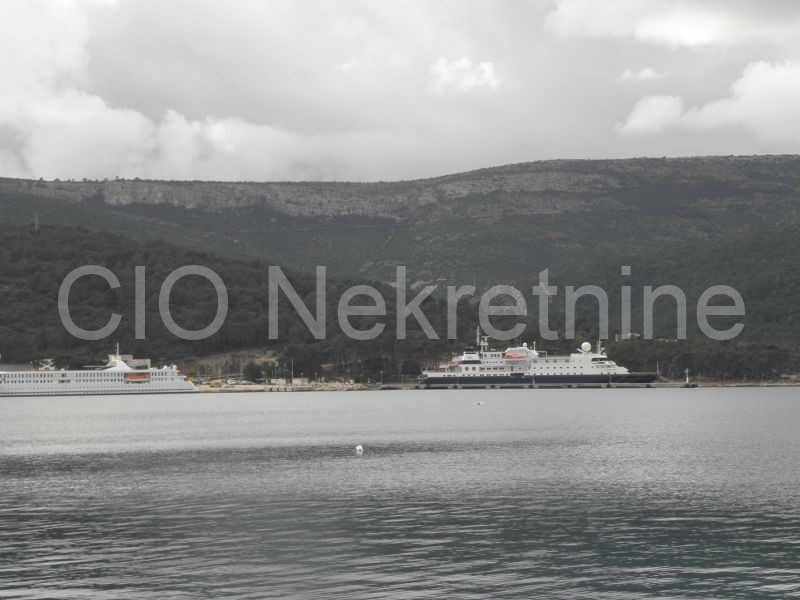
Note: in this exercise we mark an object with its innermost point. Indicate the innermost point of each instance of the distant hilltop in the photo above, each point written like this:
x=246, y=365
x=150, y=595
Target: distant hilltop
x=493, y=225
x=544, y=187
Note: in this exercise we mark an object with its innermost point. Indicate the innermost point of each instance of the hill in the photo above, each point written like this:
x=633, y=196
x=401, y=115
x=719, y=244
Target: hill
x=689, y=222
x=491, y=225
x=34, y=263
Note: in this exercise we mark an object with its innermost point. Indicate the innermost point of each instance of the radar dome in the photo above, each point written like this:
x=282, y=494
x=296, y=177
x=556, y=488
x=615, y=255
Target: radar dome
x=586, y=346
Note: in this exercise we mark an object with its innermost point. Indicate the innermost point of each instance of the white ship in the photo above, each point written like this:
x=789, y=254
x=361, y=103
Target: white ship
x=123, y=374
x=524, y=366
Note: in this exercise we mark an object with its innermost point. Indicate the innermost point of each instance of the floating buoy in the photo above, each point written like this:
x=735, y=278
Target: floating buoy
x=359, y=449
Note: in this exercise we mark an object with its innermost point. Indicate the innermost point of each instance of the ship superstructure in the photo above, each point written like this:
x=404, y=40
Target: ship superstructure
x=122, y=374
x=526, y=366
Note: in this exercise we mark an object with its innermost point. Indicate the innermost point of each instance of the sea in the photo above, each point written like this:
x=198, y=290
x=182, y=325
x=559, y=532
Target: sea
x=597, y=494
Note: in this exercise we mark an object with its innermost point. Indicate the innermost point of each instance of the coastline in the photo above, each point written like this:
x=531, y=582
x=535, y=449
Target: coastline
x=361, y=387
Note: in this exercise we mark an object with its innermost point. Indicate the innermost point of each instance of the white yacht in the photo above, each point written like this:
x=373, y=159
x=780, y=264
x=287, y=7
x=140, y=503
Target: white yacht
x=122, y=374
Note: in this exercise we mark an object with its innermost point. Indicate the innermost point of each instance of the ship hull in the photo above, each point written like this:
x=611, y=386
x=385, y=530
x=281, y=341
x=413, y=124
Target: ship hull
x=137, y=392
x=522, y=379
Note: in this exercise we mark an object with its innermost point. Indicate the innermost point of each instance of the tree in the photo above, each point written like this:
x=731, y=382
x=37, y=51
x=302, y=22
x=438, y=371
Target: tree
x=253, y=372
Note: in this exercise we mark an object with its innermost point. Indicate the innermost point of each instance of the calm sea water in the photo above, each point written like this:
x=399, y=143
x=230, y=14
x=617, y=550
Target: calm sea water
x=531, y=494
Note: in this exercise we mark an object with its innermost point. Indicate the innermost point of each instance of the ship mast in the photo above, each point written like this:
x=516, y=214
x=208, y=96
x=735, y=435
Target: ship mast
x=482, y=341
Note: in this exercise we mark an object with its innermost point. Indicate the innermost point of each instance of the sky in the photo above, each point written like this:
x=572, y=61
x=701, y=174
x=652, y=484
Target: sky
x=366, y=90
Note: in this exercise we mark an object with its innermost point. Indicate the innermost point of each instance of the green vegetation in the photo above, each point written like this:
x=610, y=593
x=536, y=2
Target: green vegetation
x=491, y=226
x=253, y=372
x=705, y=358
x=34, y=263
x=691, y=223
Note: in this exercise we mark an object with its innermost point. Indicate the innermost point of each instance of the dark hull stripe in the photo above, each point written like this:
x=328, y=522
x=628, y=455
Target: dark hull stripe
x=540, y=379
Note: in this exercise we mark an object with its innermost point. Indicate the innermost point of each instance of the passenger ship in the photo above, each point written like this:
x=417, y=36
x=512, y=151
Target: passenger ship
x=123, y=374
x=523, y=366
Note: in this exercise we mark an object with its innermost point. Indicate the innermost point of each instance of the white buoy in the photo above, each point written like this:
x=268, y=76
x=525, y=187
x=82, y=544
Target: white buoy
x=359, y=449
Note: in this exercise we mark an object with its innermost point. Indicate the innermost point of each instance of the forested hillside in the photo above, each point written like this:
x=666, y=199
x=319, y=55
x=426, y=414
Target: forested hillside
x=491, y=225
x=34, y=263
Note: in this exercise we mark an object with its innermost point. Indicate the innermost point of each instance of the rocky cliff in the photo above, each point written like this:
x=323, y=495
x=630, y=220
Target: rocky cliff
x=488, y=225
x=522, y=189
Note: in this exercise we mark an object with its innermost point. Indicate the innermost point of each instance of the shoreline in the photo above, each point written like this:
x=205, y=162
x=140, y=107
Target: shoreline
x=361, y=387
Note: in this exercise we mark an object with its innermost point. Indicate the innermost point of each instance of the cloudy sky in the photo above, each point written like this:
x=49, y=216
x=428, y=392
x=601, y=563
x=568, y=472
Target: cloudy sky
x=370, y=90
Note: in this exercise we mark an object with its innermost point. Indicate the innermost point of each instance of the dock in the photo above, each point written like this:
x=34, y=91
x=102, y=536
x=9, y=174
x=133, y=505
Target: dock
x=553, y=386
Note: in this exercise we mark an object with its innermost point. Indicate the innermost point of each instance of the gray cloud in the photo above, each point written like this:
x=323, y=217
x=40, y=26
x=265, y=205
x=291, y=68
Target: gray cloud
x=763, y=100
x=368, y=90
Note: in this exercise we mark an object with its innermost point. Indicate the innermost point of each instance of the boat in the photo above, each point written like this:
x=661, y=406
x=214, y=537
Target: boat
x=122, y=374
x=525, y=366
